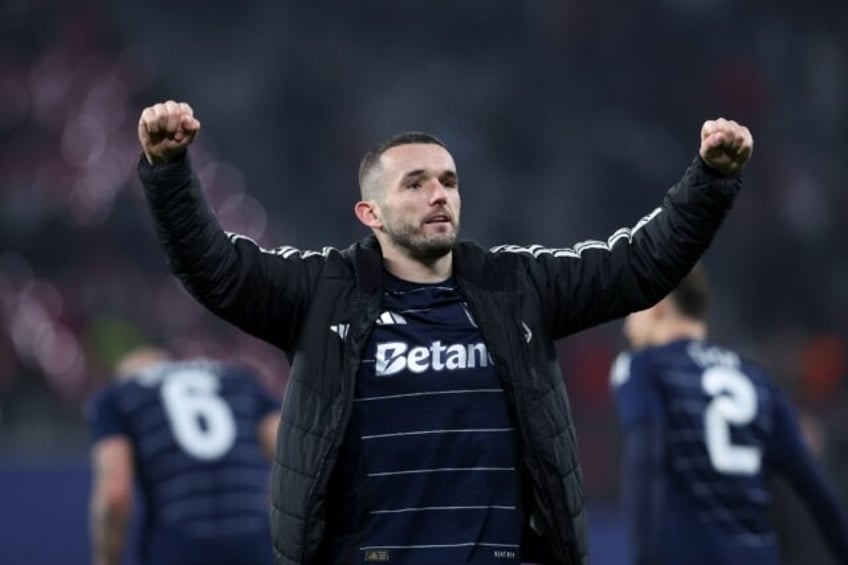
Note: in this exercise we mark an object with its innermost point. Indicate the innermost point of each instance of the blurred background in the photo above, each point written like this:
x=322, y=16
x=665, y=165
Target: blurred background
x=567, y=119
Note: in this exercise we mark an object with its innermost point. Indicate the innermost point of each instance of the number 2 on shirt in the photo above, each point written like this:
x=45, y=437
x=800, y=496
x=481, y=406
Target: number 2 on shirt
x=733, y=402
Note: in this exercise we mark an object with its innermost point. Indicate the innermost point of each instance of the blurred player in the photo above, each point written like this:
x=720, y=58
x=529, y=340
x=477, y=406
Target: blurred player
x=704, y=430
x=196, y=438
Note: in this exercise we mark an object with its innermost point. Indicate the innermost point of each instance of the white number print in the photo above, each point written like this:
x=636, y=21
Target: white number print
x=734, y=403
x=202, y=422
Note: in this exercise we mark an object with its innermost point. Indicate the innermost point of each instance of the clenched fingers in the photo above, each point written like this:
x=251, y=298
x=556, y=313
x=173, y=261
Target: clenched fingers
x=726, y=132
x=725, y=145
x=166, y=129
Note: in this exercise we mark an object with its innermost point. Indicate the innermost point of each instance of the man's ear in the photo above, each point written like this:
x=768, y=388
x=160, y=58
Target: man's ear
x=368, y=213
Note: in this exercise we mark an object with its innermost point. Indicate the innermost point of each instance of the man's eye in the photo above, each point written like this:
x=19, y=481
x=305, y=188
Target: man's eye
x=415, y=185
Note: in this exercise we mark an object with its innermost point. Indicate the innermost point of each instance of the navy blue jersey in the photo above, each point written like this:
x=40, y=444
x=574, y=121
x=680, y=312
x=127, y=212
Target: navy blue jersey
x=427, y=470
x=704, y=431
x=198, y=460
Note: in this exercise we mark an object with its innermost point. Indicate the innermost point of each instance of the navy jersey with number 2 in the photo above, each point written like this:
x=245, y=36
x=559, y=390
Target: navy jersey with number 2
x=703, y=432
x=198, y=461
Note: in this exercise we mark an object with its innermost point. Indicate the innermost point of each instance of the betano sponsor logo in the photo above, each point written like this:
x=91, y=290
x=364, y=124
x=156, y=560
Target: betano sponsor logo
x=394, y=357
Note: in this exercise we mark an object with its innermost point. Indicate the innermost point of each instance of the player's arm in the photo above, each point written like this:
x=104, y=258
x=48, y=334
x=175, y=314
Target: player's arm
x=807, y=478
x=110, y=502
x=596, y=281
x=267, y=416
x=641, y=421
x=268, y=433
x=111, y=498
x=229, y=274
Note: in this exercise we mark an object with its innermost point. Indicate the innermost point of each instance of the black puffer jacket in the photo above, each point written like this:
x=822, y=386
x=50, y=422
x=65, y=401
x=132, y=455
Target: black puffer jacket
x=319, y=307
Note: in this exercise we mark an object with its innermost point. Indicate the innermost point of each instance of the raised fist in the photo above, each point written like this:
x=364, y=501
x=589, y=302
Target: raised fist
x=165, y=130
x=725, y=145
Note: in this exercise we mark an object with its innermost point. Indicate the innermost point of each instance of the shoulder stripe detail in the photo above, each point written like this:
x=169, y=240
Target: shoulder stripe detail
x=578, y=249
x=284, y=251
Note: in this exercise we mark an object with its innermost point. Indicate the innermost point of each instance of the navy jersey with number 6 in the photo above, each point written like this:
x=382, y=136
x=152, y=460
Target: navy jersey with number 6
x=198, y=461
x=704, y=430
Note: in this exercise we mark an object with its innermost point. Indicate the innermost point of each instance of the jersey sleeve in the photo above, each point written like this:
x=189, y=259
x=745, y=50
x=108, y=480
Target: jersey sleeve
x=106, y=416
x=637, y=397
x=797, y=464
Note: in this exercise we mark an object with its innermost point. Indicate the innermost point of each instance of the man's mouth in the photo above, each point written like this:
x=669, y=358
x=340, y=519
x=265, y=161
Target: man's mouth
x=438, y=219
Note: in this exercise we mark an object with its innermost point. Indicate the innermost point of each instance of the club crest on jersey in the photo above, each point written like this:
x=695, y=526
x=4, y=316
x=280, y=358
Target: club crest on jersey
x=396, y=356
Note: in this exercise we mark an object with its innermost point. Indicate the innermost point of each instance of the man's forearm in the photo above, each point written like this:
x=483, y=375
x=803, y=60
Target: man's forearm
x=108, y=534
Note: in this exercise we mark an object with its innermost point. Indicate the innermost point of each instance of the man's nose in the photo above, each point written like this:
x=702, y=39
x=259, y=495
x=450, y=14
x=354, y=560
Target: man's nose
x=438, y=194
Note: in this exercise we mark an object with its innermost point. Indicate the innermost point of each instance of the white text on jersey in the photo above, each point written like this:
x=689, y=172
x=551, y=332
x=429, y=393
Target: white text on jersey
x=396, y=356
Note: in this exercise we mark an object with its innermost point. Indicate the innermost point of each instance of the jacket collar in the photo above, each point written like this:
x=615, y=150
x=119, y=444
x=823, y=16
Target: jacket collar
x=469, y=264
x=368, y=265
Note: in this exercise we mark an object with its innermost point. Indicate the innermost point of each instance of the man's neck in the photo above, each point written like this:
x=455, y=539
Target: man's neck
x=680, y=329
x=406, y=268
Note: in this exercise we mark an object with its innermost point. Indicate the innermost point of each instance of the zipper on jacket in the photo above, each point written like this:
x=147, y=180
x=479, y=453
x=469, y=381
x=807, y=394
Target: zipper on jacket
x=521, y=414
x=350, y=363
x=322, y=478
x=518, y=353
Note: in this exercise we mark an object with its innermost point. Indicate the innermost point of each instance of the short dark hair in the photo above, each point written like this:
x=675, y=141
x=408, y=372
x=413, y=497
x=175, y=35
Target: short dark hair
x=406, y=138
x=692, y=295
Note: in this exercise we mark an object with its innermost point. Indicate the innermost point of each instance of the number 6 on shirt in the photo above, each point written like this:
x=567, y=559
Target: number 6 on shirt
x=202, y=422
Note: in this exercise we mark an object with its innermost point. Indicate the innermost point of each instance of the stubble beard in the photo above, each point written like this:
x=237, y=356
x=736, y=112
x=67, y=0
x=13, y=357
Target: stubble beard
x=421, y=247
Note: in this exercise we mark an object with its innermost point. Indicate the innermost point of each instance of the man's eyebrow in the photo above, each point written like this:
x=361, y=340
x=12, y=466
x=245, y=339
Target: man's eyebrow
x=414, y=174
x=423, y=172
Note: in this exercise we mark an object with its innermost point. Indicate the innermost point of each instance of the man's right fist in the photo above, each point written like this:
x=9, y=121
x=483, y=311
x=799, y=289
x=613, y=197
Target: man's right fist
x=166, y=130
x=725, y=145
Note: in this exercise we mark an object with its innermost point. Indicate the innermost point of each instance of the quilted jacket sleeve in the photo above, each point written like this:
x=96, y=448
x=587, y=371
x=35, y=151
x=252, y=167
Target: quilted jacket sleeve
x=264, y=292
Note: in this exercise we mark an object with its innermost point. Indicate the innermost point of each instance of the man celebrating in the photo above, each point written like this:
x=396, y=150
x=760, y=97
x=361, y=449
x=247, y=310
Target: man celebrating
x=425, y=419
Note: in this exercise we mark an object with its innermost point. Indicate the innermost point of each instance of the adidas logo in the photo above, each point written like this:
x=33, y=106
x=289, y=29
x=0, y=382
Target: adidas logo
x=390, y=318
x=387, y=318
x=340, y=330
